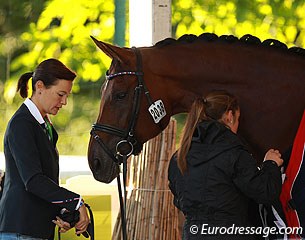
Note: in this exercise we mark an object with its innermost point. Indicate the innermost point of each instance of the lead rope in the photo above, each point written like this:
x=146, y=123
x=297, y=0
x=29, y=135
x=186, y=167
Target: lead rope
x=123, y=198
x=91, y=224
x=90, y=228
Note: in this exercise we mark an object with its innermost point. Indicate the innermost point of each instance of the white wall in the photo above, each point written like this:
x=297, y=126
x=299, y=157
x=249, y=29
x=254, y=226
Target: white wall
x=149, y=21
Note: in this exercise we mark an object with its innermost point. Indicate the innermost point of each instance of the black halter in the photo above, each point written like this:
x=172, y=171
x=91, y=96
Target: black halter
x=126, y=135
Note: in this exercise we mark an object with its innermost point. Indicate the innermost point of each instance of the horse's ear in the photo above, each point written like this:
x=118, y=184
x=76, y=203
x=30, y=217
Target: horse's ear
x=111, y=51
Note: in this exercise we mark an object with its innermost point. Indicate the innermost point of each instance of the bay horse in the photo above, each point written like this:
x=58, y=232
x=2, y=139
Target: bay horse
x=146, y=86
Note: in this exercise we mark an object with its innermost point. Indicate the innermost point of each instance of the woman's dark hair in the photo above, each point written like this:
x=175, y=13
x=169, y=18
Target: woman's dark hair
x=48, y=71
x=212, y=107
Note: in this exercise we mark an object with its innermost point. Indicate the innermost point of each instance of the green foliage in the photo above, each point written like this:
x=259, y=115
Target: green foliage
x=61, y=30
x=33, y=30
x=282, y=20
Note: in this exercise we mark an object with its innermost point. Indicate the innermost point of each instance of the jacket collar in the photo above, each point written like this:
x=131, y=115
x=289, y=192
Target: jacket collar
x=211, y=139
x=34, y=110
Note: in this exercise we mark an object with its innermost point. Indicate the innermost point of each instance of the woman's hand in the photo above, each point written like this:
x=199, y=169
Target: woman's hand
x=274, y=155
x=81, y=225
x=63, y=226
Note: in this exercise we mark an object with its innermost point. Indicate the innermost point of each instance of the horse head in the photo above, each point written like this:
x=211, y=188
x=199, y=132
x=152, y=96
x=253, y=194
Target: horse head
x=128, y=114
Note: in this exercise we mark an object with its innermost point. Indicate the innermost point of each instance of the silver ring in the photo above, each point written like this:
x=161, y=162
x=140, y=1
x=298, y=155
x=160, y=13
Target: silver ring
x=117, y=148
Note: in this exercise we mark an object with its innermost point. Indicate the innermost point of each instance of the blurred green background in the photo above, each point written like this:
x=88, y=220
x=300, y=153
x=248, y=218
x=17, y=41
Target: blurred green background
x=34, y=30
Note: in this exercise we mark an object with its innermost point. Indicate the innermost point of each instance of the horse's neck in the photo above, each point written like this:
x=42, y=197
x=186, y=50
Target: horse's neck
x=197, y=69
x=185, y=101
x=186, y=70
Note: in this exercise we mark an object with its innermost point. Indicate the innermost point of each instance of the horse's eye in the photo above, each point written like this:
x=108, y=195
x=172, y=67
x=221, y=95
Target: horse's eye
x=120, y=96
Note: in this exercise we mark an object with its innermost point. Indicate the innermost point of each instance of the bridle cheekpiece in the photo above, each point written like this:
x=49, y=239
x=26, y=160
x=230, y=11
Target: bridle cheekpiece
x=128, y=138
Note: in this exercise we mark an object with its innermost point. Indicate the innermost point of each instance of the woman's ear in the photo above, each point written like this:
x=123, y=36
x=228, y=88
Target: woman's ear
x=39, y=86
x=230, y=117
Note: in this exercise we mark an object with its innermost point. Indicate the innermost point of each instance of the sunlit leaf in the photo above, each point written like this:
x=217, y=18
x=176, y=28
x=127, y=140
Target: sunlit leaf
x=265, y=9
x=290, y=33
x=91, y=71
x=9, y=91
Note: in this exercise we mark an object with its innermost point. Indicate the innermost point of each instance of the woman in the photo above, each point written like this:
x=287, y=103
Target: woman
x=215, y=177
x=32, y=199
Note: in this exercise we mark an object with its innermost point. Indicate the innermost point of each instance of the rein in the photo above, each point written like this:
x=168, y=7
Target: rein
x=127, y=135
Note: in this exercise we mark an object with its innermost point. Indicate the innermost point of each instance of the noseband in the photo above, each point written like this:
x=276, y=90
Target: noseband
x=128, y=138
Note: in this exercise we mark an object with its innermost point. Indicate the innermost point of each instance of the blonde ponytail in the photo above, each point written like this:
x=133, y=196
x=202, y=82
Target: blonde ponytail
x=194, y=116
x=210, y=108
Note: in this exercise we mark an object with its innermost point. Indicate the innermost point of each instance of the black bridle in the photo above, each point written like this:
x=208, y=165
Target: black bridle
x=127, y=136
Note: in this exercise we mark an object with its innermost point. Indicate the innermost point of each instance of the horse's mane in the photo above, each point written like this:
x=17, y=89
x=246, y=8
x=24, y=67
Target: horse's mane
x=248, y=39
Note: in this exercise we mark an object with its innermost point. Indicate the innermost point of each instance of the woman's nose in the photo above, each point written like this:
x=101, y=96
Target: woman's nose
x=64, y=100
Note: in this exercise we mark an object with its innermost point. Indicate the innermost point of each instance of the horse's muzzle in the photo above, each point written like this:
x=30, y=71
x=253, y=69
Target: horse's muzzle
x=104, y=171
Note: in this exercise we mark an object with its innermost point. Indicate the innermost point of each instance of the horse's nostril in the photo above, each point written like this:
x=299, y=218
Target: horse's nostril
x=96, y=164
